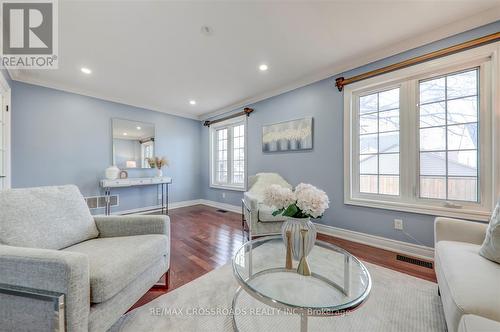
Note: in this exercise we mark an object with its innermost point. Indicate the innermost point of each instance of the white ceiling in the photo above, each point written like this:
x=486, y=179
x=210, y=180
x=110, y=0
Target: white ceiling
x=152, y=54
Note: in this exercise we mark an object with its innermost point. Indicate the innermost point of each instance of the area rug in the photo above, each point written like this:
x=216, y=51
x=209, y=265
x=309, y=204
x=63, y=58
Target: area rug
x=397, y=302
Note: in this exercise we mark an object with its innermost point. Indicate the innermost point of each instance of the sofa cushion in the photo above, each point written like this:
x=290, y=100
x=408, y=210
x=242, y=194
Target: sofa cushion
x=266, y=214
x=470, y=279
x=116, y=261
x=45, y=217
x=473, y=323
x=491, y=245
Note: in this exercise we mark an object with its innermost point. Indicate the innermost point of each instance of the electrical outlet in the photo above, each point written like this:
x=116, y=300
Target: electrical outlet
x=398, y=224
x=223, y=195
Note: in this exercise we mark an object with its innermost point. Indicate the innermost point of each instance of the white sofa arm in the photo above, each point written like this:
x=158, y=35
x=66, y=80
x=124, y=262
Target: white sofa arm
x=251, y=201
x=49, y=270
x=448, y=229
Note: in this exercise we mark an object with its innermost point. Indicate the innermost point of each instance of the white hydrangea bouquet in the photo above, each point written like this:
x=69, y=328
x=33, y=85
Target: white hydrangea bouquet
x=298, y=206
x=306, y=201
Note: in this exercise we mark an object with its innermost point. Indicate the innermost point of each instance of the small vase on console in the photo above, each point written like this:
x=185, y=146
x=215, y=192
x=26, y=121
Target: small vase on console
x=112, y=172
x=157, y=163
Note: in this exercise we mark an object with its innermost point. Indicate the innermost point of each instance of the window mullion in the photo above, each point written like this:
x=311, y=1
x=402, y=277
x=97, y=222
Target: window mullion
x=378, y=143
x=487, y=179
x=446, y=132
x=230, y=154
x=409, y=138
x=215, y=155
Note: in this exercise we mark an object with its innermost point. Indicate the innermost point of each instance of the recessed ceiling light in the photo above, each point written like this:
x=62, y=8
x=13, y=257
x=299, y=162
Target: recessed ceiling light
x=86, y=70
x=192, y=102
x=125, y=134
x=263, y=67
x=138, y=128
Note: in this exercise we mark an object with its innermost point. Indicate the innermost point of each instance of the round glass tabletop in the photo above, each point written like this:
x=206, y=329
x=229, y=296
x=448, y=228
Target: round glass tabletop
x=339, y=281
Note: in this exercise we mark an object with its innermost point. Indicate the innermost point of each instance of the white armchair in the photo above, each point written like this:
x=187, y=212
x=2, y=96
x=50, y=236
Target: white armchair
x=256, y=214
x=468, y=282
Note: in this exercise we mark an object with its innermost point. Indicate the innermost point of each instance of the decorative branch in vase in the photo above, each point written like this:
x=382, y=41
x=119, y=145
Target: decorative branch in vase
x=298, y=206
x=158, y=163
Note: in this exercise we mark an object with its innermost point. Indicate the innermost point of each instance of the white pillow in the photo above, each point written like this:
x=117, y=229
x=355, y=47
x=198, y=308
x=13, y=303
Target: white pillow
x=491, y=245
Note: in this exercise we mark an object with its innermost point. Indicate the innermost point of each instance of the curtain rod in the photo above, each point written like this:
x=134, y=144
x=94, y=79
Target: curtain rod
x=246, y=111
x=341, y=81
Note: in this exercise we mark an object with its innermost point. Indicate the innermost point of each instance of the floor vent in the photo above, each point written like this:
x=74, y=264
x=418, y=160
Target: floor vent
x=91, y=202
x=414, y=261
x=221, y=211
x=96, y=202
x=101, y=201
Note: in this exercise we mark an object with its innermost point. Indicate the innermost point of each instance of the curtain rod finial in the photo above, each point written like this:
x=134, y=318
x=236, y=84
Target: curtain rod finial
x=339, y=83
x=248, y=110
x=206, y=123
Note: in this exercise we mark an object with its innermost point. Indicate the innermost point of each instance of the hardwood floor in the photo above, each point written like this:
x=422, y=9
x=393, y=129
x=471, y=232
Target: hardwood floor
x=204, y=239
x=382, y=257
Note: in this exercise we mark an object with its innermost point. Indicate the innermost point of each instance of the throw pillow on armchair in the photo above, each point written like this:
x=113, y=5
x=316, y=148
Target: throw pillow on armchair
x=491, y=245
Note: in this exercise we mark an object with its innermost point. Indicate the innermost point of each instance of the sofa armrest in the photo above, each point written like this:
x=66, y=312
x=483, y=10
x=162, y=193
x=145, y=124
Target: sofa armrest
x=111, y=226
x=448, y=229
x=48, y=270
x=251, y=201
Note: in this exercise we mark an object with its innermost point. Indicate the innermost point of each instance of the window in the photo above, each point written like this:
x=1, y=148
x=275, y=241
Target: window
x=449, y=136
x=238, y=165
x=379, y=142
x=221, y=169
x=228, y=169
x=147, y=152
x=421, y=139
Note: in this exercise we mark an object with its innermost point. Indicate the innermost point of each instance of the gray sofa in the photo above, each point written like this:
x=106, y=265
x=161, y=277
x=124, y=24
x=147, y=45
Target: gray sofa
x=49, y=241
x=468, y=282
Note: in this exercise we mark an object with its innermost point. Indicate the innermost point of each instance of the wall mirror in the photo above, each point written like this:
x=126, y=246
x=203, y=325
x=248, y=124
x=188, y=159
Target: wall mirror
x=133, y=143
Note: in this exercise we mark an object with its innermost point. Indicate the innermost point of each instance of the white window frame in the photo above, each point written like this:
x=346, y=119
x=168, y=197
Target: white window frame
x=241, y=120
x=144, y=162
x=5, y=121
x=486, y=58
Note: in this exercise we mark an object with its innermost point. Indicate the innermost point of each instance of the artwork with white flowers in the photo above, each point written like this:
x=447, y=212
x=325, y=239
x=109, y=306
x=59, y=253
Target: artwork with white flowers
x=288, y=136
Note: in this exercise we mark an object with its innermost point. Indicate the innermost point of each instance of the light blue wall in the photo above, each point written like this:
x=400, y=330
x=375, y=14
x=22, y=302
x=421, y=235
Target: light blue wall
x=60, y=138
x=323, y=166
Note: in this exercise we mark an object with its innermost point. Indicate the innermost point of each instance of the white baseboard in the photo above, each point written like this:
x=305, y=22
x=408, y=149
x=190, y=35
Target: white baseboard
x=223, y=206
x=411, y=249
x=176, y=205
x=152, y=208
x=141, y=210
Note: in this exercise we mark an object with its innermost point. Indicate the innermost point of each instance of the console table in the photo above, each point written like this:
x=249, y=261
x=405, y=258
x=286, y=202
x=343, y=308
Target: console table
x=161, y=182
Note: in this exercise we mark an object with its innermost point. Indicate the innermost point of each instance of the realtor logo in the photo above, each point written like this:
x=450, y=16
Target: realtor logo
x=29, y=34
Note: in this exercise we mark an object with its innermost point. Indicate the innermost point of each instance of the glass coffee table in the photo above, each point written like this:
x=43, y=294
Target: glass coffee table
x=339, y=282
